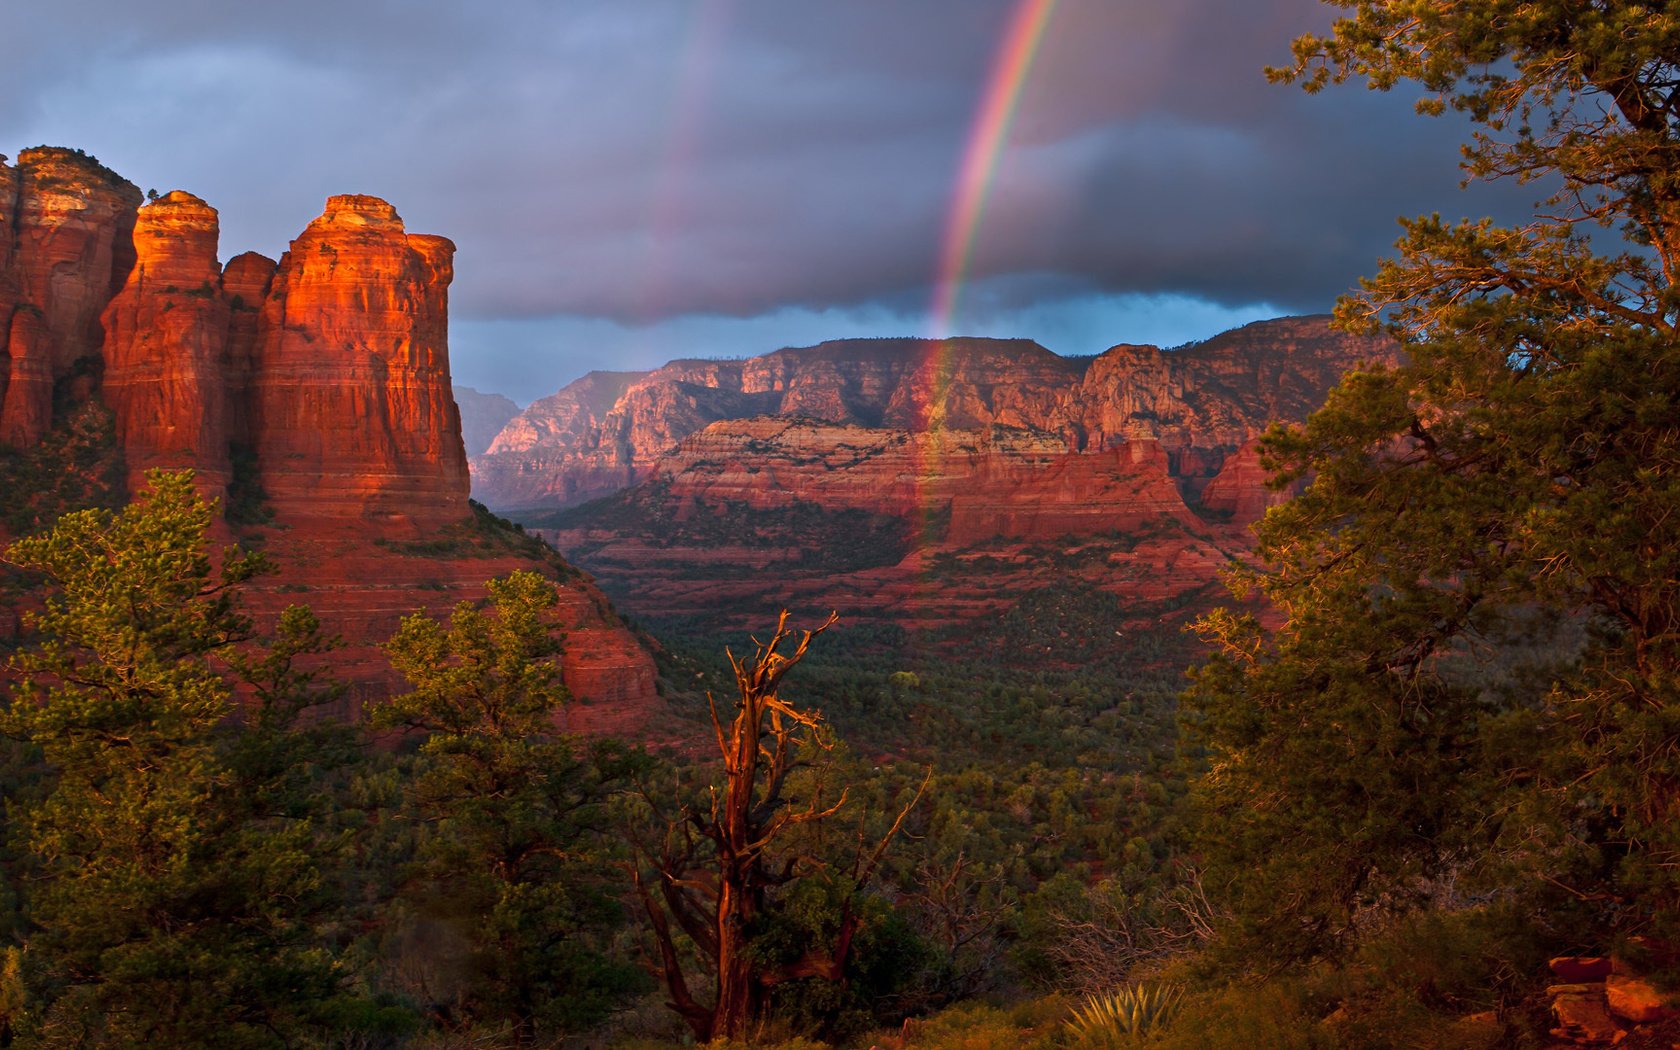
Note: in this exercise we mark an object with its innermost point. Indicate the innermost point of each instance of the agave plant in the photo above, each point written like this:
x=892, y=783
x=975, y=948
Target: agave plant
x=1124, y=1016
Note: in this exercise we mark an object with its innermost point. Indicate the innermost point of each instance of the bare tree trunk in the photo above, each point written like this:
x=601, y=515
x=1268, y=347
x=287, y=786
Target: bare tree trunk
x=716, y=894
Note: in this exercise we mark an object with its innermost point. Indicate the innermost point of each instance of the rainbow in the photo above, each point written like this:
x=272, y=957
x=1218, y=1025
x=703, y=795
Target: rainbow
x=709, y=22
x=1010, y=68
x=1011, y=65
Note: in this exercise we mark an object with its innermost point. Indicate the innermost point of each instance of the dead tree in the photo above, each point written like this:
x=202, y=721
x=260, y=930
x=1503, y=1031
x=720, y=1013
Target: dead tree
x=715, y=868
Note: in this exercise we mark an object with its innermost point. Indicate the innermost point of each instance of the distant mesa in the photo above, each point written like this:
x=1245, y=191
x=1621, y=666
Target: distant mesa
x=1201, y=405
x=312, y=395
x=921, y=483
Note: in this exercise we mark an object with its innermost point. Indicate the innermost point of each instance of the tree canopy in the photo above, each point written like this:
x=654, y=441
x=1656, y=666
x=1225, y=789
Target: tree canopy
x=175, y=867
x=512, y=815
x=1476, y=673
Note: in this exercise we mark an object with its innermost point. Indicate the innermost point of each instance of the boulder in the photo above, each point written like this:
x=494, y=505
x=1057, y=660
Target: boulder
x=1635, y=999
x=1585, y=1019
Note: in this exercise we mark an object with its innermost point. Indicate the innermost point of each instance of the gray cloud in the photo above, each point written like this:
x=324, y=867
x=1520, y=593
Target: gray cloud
x=643, y=162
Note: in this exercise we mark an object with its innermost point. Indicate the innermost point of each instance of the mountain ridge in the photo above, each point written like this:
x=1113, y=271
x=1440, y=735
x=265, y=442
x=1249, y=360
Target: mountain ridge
x=1202, y=401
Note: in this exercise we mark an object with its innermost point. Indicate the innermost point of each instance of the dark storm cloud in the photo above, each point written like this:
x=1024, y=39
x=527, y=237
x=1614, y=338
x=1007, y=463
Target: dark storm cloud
x=637, y=161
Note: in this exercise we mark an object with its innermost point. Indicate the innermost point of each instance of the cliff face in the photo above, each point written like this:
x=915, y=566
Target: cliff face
x=351, y=403
x=997, y=482
x=312, y=395
x=166, y=346
x=1200, y=403
x=925, y=484
x=70, y=227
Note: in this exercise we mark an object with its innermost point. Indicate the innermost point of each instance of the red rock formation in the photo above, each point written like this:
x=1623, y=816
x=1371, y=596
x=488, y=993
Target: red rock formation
x=352, y=410
x=245, y=283
x=9, y=290
x=967, y=459
x=72, y=249
x=1200, y=402
x=924, y=529
x=1239, y=491
x=331, y=367
x=166, y=346
x=1118, y=490
x=362, y=591
x=997, y=482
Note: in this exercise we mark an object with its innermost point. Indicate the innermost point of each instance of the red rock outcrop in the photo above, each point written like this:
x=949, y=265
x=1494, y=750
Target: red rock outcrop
x=916, y=482
x=9, y=290
x=318, y=388
x=919, y=529
x=352, y=410
x=362, y=590
x=997, y=482
x=166, y=346
x=71, y=228
x=1199, y=402
x=1117, y=490
x=1239, y=491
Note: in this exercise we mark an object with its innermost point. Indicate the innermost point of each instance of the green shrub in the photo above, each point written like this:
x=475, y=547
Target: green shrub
x=1276, y=1015
x=1125, y=1016
x=976, y=1026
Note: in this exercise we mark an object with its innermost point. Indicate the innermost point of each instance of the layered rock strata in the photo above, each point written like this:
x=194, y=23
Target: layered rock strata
x=167, y=376
x=312, y=395
x=1199, y=403
x=69, y=223
x=352, y=411
x=921, y=484
x=999, y=481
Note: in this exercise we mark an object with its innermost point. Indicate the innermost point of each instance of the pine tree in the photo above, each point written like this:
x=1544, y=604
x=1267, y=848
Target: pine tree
x=512, y=815
x=161, y=913
x=1478, y=673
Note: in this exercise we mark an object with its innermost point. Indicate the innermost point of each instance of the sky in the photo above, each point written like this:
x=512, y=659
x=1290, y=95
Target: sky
x=632, y=181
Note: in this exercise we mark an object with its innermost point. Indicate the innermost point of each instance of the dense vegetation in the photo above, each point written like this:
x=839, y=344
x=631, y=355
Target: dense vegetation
x=194, y=859
x=800, y=536
x=1517, y=474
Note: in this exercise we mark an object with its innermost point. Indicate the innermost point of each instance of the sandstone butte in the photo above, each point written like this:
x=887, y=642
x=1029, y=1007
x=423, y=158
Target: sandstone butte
x=316, y=387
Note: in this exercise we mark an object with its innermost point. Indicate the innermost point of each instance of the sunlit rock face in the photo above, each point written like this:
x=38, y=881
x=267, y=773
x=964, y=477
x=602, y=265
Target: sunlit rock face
x=69, y=224
x=923, y=484
x=330, y=367
x=351, y=400
x=1239, y=491
x=313, y=392
x=1000, y=481
x=1199, y=404
x=333, y=364
x=167, y=375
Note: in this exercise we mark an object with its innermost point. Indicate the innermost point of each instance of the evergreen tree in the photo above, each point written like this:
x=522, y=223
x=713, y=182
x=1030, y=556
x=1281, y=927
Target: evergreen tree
x=510, y=870
x=164, y=912
x=1478, y=673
